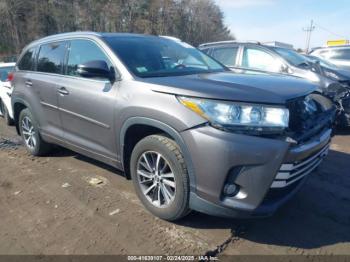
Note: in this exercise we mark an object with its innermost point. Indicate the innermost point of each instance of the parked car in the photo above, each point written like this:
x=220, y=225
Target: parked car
x=338, y=55
x=191, y=134
x=340, y=94
x=248, y=57
x=5, y=92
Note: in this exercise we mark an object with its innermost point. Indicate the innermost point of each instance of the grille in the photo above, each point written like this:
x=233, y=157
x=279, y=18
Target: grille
x=309, y=116
x=291, y=173
x=276, y=194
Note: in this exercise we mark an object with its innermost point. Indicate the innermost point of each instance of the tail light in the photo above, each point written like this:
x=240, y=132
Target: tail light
x=10, y=77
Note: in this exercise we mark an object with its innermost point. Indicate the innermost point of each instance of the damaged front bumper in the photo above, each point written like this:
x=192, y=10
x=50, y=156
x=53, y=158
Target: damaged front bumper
x=266, y=171
x=339, y=93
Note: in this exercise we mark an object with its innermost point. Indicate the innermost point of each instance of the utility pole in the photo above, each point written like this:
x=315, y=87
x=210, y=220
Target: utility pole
x=308, y=31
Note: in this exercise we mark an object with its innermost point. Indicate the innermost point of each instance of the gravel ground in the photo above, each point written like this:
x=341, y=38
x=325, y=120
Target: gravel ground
x=51, y=205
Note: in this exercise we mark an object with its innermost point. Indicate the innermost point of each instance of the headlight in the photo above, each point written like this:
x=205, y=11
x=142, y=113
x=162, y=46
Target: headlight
x=240, y=115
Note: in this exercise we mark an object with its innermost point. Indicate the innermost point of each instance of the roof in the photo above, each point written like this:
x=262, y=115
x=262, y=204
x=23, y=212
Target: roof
x=229, y=42
x=329, y=47
x=90, y=33
x=87, y=33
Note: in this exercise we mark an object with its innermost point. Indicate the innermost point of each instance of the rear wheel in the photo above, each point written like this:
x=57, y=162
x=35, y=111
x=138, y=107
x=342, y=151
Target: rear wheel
x=160, y=177
x=29, y=130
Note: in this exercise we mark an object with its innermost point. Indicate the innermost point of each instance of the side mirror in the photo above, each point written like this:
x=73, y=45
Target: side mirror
x=96, y=68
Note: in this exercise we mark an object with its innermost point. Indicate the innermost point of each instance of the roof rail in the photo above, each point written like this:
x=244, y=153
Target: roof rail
x=229, y=42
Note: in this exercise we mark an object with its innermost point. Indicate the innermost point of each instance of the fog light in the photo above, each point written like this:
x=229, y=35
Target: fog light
x=231, y=190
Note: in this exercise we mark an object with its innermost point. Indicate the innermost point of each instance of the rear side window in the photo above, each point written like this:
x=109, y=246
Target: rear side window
x=82, y=51
x=226, y=55
x=337, y=54
x=258, y=59
x=51, y=57
x=27, y=61
x=340, y=54
x=205, y=50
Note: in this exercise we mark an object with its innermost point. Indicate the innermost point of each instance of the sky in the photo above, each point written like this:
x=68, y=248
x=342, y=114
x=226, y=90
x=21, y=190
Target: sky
x=284, y=20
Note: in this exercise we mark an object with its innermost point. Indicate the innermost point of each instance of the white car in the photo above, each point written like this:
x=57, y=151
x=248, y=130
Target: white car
x=6, y=91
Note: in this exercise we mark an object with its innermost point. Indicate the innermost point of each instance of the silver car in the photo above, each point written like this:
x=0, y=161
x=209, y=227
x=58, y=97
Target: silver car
x=338, y=55
x=190, y=134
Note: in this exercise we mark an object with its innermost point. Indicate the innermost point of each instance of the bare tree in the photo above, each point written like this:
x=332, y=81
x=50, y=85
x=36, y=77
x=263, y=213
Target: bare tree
x=194, y=21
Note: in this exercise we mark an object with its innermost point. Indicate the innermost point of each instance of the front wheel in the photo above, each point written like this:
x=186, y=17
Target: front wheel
x=29, y=131
x=160, y=177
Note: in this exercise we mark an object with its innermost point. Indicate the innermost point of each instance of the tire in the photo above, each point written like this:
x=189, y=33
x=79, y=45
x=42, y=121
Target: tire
x=164, y=200
x=36, y=146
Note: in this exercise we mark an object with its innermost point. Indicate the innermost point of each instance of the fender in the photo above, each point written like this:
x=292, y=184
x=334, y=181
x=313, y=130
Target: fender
x=167, y=129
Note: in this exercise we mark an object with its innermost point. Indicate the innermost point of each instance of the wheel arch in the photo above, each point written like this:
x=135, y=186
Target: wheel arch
x=161, y=128
x=18, y=105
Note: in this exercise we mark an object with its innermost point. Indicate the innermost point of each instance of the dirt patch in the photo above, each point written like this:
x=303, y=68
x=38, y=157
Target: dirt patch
x=68, y=204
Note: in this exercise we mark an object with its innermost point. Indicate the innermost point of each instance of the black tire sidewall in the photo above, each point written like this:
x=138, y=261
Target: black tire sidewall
x=180, y=202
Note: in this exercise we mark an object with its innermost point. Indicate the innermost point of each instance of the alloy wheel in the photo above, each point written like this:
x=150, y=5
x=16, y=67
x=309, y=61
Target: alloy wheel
x=28, y=133
x=156, y=179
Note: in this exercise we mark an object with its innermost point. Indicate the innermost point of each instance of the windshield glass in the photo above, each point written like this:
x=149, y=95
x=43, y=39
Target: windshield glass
x=4, y=71
x=158, y=56
x=291, y=56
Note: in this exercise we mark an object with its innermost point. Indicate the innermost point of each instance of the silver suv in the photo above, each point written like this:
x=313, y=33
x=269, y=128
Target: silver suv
x=190, y=134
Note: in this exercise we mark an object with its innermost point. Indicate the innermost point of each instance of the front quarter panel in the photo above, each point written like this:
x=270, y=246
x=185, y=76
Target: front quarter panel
x=136, y=99
x=138, y=104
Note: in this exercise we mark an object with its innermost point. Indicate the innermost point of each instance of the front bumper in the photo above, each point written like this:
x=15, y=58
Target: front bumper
x=267, y=171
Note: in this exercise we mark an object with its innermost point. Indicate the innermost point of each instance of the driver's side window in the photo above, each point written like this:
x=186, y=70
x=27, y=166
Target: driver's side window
x=82, y=51
x=255, y=58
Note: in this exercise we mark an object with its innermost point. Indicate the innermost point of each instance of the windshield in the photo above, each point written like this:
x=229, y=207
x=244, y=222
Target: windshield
x=291, y=56
x=157, y=56
x=4, y=71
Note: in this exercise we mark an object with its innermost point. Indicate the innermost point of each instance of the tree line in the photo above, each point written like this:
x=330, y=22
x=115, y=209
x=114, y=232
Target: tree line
x=193, y=21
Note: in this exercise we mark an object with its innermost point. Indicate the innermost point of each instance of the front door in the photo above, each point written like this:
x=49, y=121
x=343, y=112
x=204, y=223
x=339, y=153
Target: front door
x=87, y=104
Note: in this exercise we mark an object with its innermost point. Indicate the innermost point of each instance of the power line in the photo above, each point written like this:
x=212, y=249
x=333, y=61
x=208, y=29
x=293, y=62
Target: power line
x=329, y=31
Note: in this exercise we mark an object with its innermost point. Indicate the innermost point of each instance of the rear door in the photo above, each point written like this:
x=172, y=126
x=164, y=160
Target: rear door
x=45, y=83
x=87, y=104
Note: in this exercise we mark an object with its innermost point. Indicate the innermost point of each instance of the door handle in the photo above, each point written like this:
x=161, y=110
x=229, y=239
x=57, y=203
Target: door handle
x=28, y=83
x=63, y=91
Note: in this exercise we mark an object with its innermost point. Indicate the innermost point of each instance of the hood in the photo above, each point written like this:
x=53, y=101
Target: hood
x=256, y=88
